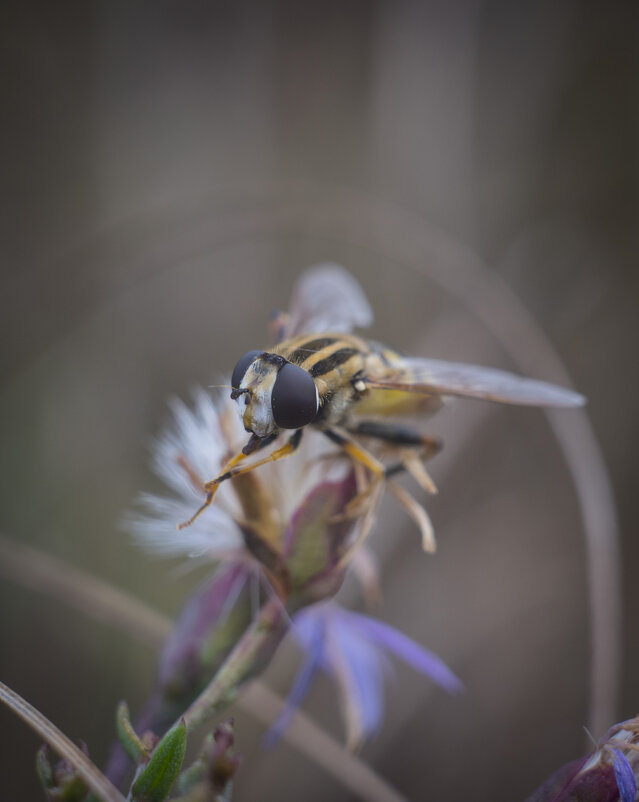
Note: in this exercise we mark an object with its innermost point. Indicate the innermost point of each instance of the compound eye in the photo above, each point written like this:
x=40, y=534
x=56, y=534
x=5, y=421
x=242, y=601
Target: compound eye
x=242, y=366
x=293, y=398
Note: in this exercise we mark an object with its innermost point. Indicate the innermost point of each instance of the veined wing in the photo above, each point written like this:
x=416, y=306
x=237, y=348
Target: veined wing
x=326, y=298
x=432, y=376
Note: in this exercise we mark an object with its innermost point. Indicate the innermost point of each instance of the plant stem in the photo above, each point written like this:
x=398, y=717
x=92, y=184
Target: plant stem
x=254, y=649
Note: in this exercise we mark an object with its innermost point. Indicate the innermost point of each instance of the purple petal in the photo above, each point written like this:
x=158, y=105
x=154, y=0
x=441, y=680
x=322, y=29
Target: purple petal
x=308, y=624
x=312, y=636
x=625, y=776
x=406, y=649
x=359, y=664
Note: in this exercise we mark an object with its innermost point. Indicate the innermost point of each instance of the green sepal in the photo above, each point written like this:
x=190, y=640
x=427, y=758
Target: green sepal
x=128, y=737
x=156, y=779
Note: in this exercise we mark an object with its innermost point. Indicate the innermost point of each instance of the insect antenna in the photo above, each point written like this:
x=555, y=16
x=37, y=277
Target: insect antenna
x=236, y=392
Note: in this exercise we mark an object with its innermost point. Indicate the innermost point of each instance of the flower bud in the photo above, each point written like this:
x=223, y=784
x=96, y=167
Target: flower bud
x=606, y=775
x=60, y=780
x=211, y=775
x=315, y=540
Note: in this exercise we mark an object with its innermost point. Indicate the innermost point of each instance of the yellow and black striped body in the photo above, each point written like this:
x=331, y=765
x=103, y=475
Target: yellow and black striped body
x=340, y=383
x=340, y=365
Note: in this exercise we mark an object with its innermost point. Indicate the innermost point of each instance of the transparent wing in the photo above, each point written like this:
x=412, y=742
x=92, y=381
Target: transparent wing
x=327, y=298
x=432, y=376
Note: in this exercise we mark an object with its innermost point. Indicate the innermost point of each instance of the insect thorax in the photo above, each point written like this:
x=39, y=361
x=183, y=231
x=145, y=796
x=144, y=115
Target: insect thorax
x=333, y=360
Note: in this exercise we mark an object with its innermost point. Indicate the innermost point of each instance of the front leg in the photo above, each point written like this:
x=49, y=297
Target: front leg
x=230, y=469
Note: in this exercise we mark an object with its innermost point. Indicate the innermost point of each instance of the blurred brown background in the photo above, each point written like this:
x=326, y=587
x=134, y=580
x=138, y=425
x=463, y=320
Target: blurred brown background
x=168, y=169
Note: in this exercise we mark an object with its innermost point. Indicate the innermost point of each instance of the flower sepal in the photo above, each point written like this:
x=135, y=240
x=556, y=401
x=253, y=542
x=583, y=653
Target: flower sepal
x=315, y=541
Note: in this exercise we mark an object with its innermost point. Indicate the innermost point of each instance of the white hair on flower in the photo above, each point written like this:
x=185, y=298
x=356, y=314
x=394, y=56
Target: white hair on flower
x=192, y=451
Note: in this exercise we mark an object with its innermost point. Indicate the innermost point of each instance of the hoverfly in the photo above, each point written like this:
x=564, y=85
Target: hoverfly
x=321, y=375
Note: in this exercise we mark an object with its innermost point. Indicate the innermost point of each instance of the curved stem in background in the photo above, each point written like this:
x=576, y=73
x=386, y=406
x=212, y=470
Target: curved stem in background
x=458, y=270
x=81, y=591
x=59, y=742
x=174, y=234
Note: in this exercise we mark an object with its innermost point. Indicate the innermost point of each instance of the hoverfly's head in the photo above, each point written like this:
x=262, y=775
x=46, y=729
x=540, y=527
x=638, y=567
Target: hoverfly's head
x=273, y=393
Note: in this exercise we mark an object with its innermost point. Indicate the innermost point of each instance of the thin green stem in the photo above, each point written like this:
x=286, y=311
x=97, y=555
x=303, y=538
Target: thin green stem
x=258, y=643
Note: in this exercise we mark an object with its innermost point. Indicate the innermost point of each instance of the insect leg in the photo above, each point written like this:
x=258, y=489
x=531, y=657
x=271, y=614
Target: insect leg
x=286, y=450
x=356, y=452
x=414, y=509
x=418, y=514
x=398, y=435
x=409, y=442
x=230, y=469
x=361, y=457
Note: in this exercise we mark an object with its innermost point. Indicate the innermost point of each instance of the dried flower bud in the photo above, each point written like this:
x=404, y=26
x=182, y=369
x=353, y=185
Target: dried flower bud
x=606, y=775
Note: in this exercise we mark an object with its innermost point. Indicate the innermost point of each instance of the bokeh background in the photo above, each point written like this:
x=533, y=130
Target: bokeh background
x=168, y=169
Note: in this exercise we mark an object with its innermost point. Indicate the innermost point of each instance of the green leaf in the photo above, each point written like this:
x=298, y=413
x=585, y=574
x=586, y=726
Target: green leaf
x=128, y=737
x=156, y=780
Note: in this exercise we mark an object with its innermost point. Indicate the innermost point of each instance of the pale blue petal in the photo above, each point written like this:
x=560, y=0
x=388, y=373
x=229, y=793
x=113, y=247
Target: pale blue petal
x=311, y=633
x=364, y=673
x=308, y=624
x=352, y=648
x=625, y=777
x=422, y=660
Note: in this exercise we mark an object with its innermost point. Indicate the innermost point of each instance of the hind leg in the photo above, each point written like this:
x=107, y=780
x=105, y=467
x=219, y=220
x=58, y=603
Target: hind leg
x=414, y=447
